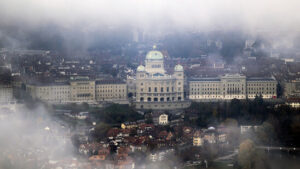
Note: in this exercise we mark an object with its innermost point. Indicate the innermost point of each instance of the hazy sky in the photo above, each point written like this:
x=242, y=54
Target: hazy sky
x=79, y=20
x=200, y=14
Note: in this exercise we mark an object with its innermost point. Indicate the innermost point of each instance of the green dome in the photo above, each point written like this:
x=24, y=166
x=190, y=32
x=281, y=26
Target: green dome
x=154, y=55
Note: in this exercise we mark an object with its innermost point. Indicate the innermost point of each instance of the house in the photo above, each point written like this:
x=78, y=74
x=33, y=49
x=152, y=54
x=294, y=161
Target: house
x=124, y=162
x=123, y=151
x=153, y=157
x=145, y=128
x=197, y=140
x=210, y=138
x=187, y=132
x=163, y=134
x=210, y=135
x=247, y=128
x=90, y=148
x=128, y=125
x=161, y=155
x=112, y=133
x=169, y=136
x=163, y=119
x=222, y=138
x=293, y=102
x=97, y=158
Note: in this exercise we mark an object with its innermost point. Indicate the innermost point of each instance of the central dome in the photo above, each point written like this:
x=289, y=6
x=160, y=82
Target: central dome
x=154, y=55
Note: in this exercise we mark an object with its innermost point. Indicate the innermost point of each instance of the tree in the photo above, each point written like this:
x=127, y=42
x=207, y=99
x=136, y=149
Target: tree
x=85, y=106
x=100, y=131
x=233, y=130
x=250, y=158
x=148, y=118
x=229, y=122
x=279, y=90
x=266, y=133
x=246, y=154
x=235, y=107
x=116, y=114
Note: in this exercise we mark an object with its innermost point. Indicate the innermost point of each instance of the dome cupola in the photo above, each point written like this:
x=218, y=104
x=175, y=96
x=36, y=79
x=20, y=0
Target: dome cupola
x=178, y=68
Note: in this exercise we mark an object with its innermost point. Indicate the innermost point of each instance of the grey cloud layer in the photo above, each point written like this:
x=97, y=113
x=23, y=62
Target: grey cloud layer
x=275, y=15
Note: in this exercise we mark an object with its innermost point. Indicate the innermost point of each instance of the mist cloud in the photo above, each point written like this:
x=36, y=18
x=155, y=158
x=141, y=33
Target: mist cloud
x=204, y=15
x=76, y=26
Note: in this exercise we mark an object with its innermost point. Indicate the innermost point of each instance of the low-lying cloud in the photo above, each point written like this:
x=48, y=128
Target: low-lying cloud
x=79, y=22
x=154, y=14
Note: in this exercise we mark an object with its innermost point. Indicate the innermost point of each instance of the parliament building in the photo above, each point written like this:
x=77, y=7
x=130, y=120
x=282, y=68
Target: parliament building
x=155, y=89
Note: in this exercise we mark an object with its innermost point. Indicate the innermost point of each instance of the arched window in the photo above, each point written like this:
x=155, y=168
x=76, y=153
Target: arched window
x=149, y=99
x=179, y=98
x=155, y=99
x=141, y=99
x=162, y=99
x=168, y=98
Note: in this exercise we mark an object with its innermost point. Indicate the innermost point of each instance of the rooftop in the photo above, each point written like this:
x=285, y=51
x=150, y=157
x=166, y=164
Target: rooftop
x=110, y=81
x=260, y=79
x=205, y=79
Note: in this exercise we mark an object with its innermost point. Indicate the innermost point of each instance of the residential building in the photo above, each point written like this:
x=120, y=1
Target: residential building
x=163, y=119
x=197, y=140
x=247, y=128
x=293, y=102
x=292, y=88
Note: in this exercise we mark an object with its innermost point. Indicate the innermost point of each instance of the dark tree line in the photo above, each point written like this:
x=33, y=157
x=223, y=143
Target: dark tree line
x=283, y=119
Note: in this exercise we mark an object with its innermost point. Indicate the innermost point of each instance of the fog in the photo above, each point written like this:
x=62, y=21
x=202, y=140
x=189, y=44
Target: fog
x=76, y=20
x=275, y=15
x=30, y=136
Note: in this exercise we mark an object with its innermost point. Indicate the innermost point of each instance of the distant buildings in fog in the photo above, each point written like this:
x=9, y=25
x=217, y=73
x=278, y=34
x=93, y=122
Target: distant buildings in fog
x=6, y=93
x=292, y=89
x=153, y=88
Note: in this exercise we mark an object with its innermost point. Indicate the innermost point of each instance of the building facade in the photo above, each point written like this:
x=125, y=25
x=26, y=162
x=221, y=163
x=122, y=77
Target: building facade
x=231, y=86
x=52, y=93
x=111, y=90
x=292, y=88
x=6, y=93
x=82, y=90
x=163, y=119
x=155, y=89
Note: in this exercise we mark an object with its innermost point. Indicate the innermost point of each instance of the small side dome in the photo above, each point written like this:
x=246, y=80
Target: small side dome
x=178, y=68
x=141, y=68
